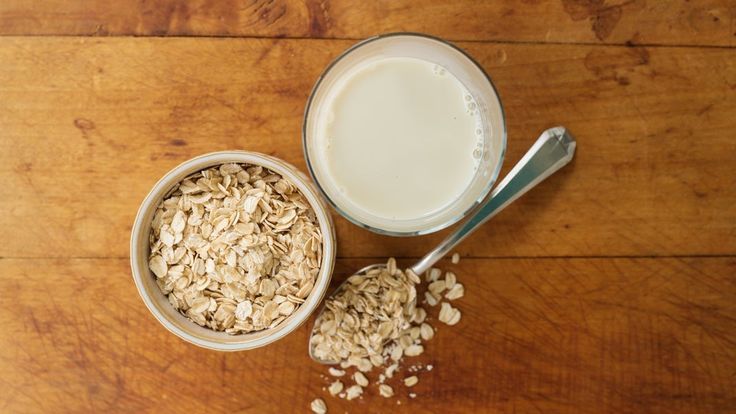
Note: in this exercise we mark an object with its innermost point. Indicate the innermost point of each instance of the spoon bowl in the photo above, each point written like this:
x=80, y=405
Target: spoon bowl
x=319, y=315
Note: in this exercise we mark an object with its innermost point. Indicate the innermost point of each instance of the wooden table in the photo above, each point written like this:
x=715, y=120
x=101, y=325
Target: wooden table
x=609, y=288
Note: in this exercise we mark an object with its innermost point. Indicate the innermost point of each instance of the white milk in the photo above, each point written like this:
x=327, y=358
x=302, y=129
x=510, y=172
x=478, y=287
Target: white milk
x=402, y=138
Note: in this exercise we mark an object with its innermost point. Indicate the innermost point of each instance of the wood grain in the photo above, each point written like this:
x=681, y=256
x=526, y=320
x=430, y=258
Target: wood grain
x=672, y=22
x=88, y=125
x=585, y=296
x=544, y=335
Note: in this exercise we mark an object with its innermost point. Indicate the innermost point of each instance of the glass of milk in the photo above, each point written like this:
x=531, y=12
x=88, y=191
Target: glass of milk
x=404, y=134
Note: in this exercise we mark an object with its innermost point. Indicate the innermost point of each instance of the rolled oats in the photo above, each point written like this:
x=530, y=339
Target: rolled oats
x=235, y=248
x=433, y=274
x=360, y=379
x=354, y=392
x=385, y=390
x=419, y=316
x=318, y=406
x=436, y=287
x=456, y=292
x=335, y=388
x=397, y=352
x=427, y=332
x=430, y=298
x=364, y=321
x=414, y=350
x=365, y=364
x=390, y=370
x=450, y=280
x=336, y=372
x=414, y=332
x=411, y=381
x=448, y=314
x=455, y=258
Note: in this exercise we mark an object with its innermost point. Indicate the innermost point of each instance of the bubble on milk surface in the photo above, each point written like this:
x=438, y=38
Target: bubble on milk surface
x=439, y=70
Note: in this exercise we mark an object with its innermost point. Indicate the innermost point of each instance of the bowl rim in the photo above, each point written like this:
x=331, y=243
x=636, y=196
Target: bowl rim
x=404, y=233
x=161, y=188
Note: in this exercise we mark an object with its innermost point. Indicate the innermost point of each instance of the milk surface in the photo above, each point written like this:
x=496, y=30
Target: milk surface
x=402, y=138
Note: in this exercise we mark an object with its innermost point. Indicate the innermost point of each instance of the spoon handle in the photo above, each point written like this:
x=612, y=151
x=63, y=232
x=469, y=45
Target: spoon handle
x=552, y=151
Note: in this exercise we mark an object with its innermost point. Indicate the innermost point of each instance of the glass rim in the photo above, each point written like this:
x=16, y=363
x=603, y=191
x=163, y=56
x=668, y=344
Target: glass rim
x=447, y=223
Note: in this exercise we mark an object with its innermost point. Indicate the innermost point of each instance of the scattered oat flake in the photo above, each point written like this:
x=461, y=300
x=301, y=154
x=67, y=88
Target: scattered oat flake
x=318, y=406
x=430, y=299
x=391, y=369
x=335, y=388
x=412, y=395
x=336, y=372
x=360, y=379
x=449, y=315
x=386, y=391
x=430, y=367
x=456, y=292
x=436, y=287
x=450, y=280
x=354, y=392
x=455, y=258
x=411, y=381
x=427, y=332
x=433, y=274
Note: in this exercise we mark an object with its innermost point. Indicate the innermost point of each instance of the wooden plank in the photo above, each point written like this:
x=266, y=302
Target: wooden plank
x=88, y=125
x=673, y=22
x=544, y=335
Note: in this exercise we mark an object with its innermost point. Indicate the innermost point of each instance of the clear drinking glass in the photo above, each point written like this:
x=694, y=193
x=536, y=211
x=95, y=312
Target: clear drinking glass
x=466, y=70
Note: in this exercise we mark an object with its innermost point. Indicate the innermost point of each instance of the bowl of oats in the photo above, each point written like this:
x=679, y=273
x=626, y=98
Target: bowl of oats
x=232, y=250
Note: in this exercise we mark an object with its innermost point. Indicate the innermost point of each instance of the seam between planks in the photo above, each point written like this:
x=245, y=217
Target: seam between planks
x=356, y=39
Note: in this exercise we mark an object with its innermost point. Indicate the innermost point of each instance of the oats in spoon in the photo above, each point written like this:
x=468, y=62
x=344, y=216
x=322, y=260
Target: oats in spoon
x=369, y=319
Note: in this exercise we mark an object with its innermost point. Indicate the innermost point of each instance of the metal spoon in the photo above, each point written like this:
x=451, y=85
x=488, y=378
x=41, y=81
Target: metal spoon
x=552, y=151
